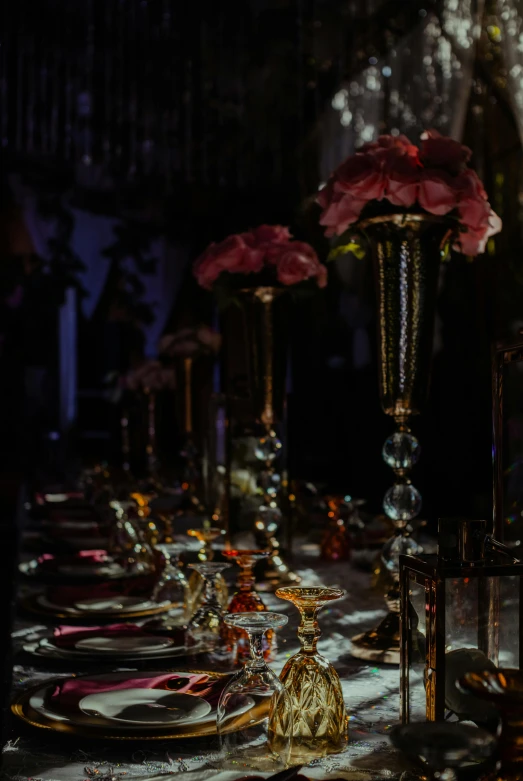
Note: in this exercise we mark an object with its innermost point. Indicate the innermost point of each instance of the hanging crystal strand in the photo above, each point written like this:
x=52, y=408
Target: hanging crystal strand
x=55, y=56
x=163, y=34
x=4, y=116
x=69, y=87
x=20, y=88
x=120, y=80
x=85, y=107
x=149, y=56
x=108, y=99
x=30, y=119
x=133, y=51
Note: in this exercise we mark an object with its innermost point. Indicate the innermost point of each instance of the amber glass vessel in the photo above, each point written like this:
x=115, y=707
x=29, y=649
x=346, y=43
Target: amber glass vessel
x=335, y=544
x=319, y=720
x=245, y=600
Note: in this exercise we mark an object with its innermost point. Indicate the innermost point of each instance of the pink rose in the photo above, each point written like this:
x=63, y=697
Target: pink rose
x=297, y=263
x=361, y=177
x=438, y=192
x=403, y=182
x=473, y=241
x=343, y=211
x=233, y=255
x=439, y=151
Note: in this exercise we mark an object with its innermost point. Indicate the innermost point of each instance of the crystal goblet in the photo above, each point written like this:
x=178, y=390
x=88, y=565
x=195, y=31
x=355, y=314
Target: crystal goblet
x=206, y=535
x=254, y=718
x=172, y=585
x=206, y=622
x=245, y=600
x=319, y=720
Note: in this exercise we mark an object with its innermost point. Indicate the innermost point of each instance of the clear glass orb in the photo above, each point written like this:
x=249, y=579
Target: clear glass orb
x=401, y=450
x=269, y=482
x=397, y=546
x=402, y=502
x=268, y=447
x=269, y=518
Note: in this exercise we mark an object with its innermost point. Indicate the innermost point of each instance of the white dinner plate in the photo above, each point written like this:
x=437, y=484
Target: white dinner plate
x=145, y=707
x=110, y=570
x=123, y=644
x=108, y=606
x=42, y=703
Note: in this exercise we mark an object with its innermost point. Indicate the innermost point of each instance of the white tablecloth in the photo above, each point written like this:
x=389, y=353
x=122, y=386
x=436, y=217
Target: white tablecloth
x=371, y=695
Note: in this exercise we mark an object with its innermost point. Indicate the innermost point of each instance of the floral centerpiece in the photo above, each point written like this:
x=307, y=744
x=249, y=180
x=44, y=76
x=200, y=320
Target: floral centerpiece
x=266, y=256
x=392, y=176
x=409, y=204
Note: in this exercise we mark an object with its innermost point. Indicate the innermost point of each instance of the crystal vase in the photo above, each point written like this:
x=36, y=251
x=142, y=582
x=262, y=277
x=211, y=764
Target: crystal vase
x=319, y=720
x=406, y=250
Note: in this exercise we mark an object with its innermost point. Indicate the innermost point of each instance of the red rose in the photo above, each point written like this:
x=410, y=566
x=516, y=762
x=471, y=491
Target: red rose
x=299, y=262
x=439, y=151
x=438, y=192
x=403, y=181
x=361, y=177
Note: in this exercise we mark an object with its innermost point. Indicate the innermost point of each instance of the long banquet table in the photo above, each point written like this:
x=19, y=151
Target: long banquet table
x=371, y=695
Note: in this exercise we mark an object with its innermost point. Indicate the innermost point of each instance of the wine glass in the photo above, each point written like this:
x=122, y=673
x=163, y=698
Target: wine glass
x=206, y=535
x=245, y=600
x=206, y=622
x=172, y=586
x=254, y=719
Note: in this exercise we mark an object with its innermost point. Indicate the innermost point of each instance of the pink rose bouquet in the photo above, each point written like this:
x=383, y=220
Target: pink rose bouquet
x=267, y=252
x=401, y=178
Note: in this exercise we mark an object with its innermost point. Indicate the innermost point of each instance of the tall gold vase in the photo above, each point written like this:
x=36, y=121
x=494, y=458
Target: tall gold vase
x=264, y=321
x=406, y=253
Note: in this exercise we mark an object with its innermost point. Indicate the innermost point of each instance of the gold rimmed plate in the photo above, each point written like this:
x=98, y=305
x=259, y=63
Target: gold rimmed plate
x=29, y=706
x=33, y=603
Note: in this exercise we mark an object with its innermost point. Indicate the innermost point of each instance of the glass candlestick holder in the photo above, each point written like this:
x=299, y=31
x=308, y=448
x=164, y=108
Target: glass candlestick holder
x=319, y=719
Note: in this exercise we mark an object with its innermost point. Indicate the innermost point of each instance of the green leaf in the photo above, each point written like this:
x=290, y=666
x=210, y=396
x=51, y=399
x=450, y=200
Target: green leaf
x=353, y=246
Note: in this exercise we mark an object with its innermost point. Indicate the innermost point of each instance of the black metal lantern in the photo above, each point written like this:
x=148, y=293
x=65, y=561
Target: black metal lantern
x=460, y=612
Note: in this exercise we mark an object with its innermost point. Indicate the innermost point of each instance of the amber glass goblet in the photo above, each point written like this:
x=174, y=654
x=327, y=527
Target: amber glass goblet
x=335, y=544
x=245, y=600
x=319, y=720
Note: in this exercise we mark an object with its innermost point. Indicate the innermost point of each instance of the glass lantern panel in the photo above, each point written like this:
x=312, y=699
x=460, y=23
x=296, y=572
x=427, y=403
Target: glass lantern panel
x=417, y=657
x=481, y=632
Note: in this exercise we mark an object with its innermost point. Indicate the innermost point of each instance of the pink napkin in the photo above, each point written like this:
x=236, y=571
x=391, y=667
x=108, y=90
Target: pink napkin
x=68, y=693
x=68, y=636
x=136, y=587
x=87, y=557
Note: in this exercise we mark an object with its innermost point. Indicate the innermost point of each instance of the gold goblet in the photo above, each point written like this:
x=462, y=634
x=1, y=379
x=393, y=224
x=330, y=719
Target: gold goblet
x=319, y=720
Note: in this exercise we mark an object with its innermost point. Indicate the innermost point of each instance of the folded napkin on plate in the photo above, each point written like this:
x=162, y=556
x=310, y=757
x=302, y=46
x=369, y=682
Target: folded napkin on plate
x=69, y=692
x=83, y=557
x=135, y=587
x=68, y=636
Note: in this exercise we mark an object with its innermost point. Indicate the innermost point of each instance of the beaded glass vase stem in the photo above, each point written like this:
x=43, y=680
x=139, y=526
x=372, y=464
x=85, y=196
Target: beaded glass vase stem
x=319, y=720
x=406, y=250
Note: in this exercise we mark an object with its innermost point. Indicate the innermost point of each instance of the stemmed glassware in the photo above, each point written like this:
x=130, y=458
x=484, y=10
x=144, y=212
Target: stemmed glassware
x=254, y=718
x=245, y=600
x=206, y=535
x=319, y=721
x=205, y=624
x=126, y=544
x=172, y=586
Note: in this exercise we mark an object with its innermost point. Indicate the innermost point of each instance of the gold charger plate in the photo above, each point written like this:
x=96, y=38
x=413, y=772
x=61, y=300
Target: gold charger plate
x=30, y=604
x=21, y=708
